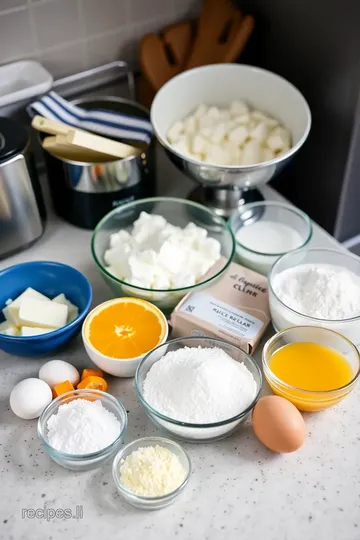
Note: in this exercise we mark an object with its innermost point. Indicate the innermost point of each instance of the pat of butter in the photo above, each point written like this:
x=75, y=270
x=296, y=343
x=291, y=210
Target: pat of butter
x=73, y=311
x=8, y=329
x=11, y=311
x=35, y=312
x=34, y=331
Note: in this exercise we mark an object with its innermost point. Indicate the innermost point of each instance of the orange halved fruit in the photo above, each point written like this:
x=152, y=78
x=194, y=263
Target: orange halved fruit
x=125, y=328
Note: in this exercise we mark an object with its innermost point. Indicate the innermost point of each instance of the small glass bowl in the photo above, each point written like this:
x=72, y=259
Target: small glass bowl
x=283, y=316
x=273, y=211
x=83, y=462
x=196, y=432
x=178, y=212
x=150, y=503
x=303, y=399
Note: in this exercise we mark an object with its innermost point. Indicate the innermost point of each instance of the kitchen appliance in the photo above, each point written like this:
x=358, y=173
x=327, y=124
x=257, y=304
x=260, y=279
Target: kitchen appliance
x=224, y=188
x=83, y=193
x=22, y=210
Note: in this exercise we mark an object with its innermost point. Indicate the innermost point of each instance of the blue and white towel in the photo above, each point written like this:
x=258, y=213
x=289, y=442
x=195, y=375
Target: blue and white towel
x=104, y=122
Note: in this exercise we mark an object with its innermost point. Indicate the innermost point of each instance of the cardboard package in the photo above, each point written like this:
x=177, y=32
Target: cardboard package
x=234, y=308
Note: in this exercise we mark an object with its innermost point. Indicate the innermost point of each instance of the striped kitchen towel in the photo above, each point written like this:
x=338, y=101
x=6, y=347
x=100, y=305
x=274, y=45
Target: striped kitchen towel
x=111, y=124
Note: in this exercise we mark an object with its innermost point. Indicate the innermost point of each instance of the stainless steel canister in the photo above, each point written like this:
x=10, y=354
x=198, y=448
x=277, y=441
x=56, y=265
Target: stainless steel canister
x=22, y=210
x=83, y=193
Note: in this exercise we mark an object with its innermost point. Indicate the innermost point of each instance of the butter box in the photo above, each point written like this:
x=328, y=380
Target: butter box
x=234, y=308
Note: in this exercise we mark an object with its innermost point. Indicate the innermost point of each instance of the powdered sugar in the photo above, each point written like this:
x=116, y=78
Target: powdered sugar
x=199, y=385
x=320, y=291
x=82, y=427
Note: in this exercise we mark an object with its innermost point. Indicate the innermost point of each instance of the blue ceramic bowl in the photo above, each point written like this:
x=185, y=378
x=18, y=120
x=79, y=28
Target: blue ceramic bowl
x=51, y=279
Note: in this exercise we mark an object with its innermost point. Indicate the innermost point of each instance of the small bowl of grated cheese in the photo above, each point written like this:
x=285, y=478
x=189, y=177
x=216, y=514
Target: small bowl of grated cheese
x=151, y=472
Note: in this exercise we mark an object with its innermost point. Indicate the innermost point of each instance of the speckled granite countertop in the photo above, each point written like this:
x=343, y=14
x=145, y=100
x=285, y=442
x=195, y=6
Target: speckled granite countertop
x=238, y=489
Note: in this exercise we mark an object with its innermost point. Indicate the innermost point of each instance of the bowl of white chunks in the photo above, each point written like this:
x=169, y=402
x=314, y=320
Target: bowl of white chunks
x=230, y=124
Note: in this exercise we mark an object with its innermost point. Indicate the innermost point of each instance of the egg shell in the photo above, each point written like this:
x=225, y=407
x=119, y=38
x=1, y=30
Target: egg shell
x=29, y=398
x=57, y=371
x=278, y=424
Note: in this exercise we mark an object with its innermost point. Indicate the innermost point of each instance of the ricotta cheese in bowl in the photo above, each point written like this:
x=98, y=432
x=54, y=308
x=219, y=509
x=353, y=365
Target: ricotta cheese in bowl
x=159, y=249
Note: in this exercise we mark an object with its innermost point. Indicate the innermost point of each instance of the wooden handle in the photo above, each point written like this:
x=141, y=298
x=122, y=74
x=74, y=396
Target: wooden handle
x=238, y=41
x=58, y=147
x=96, y=143
x=162, y=57
x=45, y=125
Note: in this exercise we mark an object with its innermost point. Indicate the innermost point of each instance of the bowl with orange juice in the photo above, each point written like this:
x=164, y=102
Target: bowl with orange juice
x=118, y=333
x=313, y=367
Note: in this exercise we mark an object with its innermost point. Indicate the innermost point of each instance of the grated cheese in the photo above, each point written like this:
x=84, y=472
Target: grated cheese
x=151, y=471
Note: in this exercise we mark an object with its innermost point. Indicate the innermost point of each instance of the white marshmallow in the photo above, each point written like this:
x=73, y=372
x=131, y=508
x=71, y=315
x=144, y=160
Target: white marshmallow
x=175, y=131
x=235, y=152
x=267, y=154
x=260, y=132
x=242, y=119
x=217, y=155
x=218, y=133
x=251, y=153
x=206, y=132
x=199, y=144
x=183, y=145
x=278, y=139
x=200, y=111
x=190, y=125
x=239, y=135
x=214, y=113
x=238, y=108
x=259, y=116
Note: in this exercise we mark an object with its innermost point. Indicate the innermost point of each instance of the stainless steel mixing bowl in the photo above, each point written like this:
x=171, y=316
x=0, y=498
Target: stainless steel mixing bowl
x=219, y=85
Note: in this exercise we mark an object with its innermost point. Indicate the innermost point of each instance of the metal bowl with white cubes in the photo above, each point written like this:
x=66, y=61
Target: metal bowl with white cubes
x=231, y=128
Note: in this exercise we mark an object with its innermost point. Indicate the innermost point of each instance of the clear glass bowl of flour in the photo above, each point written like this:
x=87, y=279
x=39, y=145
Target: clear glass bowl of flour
x=266, y=230
x=284, y=315
x=83, y=462
x=202, y=432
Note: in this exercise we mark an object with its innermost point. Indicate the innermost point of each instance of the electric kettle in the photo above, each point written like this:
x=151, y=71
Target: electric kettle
x=22, y=209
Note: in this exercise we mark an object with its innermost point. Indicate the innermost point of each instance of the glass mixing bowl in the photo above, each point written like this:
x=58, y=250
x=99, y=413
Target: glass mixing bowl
x=196, y=432
x=150, y=503
x=302, y=398
x=275, y=212
x=283, y=316
x=83, y=462
x=178, y=212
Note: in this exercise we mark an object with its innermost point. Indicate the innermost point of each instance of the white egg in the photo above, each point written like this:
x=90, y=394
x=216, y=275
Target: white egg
x=29, y=398
x=58, y=371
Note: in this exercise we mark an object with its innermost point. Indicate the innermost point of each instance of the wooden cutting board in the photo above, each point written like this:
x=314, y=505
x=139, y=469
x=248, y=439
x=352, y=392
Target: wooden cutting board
x=163, y=56
x=222, y=34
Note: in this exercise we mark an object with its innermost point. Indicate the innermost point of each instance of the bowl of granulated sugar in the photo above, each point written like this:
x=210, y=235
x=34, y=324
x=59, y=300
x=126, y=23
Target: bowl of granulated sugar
x=198, y=389
x=82, y=429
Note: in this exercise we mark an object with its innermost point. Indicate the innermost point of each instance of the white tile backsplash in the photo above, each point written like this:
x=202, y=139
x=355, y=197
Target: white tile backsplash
x=71, y=35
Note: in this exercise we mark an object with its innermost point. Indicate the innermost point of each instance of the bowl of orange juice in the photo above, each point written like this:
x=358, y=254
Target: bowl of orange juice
x=313, y=367
x=118, y=333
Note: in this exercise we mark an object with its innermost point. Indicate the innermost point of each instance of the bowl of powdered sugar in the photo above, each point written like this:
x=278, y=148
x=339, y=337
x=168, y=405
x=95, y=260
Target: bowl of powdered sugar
x=317, y=287
x=198, y=389
x=82, y=429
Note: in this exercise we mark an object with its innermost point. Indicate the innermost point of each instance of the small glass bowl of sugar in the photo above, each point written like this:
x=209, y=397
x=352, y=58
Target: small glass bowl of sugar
x=266, y=230
x=82, y=429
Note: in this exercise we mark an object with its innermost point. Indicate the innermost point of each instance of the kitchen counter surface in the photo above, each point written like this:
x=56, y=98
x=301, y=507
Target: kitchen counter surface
x=238, y=489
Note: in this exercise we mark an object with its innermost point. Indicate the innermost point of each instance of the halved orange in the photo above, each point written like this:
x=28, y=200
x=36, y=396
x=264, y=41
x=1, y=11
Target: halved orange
x=125, y=328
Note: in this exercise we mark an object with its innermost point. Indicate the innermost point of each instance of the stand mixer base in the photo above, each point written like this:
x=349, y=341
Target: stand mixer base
x=224, y=201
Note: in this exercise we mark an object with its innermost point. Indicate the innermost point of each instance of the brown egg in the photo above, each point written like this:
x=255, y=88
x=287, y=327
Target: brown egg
x=278, y=424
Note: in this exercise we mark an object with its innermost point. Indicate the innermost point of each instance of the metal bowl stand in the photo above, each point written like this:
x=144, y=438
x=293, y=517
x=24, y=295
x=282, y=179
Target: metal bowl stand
x=224, y=201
